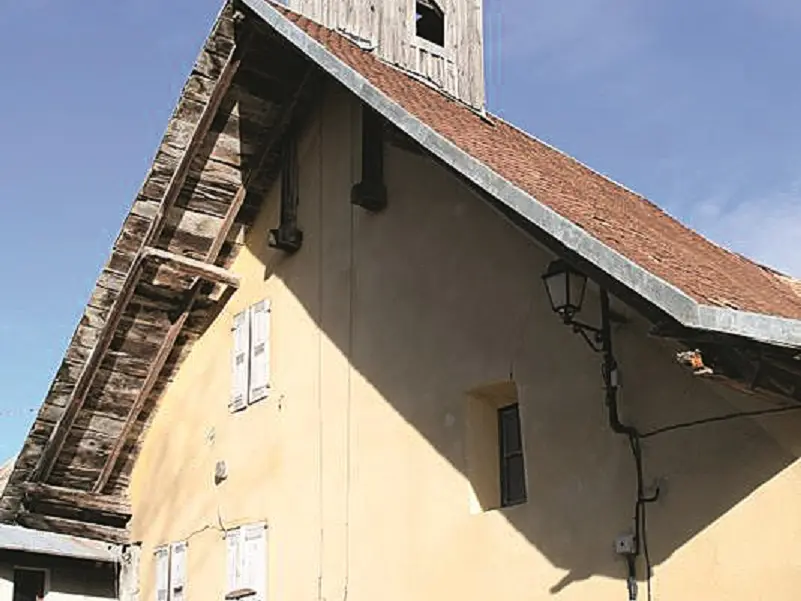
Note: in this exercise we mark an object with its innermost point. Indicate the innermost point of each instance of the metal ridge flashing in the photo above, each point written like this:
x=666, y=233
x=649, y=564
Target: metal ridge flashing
x=667, y=297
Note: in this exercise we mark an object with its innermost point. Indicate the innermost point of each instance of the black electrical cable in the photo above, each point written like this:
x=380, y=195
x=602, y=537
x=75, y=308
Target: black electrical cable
x=646, y=554
x=641, y=519
x=640, y=515
x=719, y=418
x=610, y=377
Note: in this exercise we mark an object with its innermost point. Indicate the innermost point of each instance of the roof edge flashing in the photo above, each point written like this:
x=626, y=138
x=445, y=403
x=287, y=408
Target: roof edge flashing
x=665, y=296
x=778, y=331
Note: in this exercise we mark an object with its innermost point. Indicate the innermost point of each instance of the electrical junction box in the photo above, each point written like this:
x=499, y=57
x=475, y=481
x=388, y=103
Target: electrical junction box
x=625, y=544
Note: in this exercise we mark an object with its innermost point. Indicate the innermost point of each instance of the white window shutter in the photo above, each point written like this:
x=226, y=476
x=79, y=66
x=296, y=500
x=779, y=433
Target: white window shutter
x=162, y=573
x=239, y=365
x=178, y=572
x=259, y=351
x=233, y=540
x=255, y=560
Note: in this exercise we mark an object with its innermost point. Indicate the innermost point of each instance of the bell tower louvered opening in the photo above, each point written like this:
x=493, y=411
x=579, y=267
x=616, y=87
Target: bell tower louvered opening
x=430, y=22
x=439, y=41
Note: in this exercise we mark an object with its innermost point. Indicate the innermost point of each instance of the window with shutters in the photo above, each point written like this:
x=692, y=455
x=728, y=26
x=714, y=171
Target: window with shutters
x=247, y=563
x=178, y=572
x=162, y=558
x=250, y=377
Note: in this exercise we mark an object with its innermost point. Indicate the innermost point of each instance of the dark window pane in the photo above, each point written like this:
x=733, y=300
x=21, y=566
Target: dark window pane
x=513, y=473
x=510, y=430
x=29, y=585
x=430, y=22
x=515, y=480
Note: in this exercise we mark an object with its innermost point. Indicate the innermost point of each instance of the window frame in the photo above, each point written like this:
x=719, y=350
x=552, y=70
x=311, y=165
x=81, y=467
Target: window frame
x=242, y=565
x=243, y=324
x=431, y=9
x=27, y=568
x=505, y=456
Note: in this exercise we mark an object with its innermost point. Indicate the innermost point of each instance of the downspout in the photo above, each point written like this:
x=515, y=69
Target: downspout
x=611, y=385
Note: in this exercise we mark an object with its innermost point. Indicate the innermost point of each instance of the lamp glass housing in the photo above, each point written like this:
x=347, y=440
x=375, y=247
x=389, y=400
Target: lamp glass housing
x=566, y=288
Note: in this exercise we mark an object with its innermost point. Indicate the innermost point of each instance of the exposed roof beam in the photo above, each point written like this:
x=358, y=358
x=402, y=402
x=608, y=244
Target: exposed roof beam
x=73, y=527
x=87, y=376
x=269, y=148
x=55, y=495
x=193, y=267
x=202, y=128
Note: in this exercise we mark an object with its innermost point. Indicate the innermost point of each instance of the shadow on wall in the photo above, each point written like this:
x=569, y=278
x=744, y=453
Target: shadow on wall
x=446, y=297
x=437, y=296
x=74, y=578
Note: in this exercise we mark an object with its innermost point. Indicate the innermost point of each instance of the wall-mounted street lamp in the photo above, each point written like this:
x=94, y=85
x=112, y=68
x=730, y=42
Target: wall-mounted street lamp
x=566, y=288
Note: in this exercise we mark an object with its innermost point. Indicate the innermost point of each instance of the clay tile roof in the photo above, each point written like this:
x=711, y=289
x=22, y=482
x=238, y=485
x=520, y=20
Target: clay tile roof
x=621, y=219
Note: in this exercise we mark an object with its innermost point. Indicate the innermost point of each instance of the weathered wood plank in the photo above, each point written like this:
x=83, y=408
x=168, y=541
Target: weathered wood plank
x=132, y=235
x=102, y=298
x=201, y=269
x=144, y=207
x=49, y=413
x=73, y=527
x=169, y=343
x=125, y=364
x=95, y=420
x=85, y=380
x=161, y=358
x=82, y=478
x=121, y=261
x=228, y=69
x=111, y=280
x=90, y=501
x=85, y=448
x=197, y=89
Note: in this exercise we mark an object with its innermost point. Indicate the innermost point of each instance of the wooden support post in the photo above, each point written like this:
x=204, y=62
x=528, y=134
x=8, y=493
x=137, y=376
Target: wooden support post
x=193, y=267
x=87, y=376
x=175, y=329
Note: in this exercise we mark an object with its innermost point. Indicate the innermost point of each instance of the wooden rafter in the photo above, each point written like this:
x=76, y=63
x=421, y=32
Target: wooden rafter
x=73, y=527
x=55, y=495
x=193, y=267
x=77, y=398
x=269, y=148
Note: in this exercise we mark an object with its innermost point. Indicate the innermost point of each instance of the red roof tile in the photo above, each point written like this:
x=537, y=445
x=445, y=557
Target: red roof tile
x=621, y=219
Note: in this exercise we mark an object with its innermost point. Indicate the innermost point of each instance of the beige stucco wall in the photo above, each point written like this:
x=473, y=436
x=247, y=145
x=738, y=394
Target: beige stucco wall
x=360, y=460
x=66, y=580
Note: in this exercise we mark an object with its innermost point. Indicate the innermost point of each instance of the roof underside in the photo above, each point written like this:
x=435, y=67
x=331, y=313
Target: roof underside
x=16, y=538
x=251, y=86
x=218, y=157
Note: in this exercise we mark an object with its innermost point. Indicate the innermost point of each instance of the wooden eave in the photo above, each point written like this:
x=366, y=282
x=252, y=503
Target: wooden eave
x=167, y=278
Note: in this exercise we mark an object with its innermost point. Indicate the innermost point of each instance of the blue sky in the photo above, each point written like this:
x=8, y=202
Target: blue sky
x=694, y=104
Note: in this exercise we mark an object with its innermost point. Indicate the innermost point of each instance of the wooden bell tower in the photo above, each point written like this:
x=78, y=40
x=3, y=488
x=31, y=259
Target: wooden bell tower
x=441, y=41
